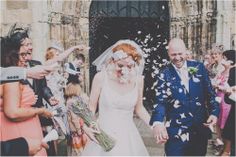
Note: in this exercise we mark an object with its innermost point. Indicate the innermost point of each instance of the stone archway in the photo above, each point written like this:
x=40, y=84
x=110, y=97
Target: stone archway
x=146, y=22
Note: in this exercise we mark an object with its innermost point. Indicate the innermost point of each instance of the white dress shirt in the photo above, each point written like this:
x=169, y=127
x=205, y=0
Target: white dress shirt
x=183, y=74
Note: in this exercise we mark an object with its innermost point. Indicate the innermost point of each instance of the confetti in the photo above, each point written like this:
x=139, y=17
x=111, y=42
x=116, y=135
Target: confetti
x=178, y=122
x=176, y=104
x=185, y=137
x=196, y=80
x=167, y=124
x=182, y=115
x=218, y=99
x=198, y=104
x=190, y=114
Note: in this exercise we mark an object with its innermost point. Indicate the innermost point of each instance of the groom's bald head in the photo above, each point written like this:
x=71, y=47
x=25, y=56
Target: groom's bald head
x=177, y=52
x=177, y=44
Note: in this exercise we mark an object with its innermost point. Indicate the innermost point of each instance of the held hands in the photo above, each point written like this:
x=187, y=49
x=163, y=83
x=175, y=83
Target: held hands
x=160, y=133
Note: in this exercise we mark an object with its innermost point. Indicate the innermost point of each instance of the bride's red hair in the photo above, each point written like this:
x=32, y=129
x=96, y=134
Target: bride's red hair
x=129, y=50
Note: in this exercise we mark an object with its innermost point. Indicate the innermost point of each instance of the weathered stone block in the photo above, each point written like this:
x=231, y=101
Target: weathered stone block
x=16, y=4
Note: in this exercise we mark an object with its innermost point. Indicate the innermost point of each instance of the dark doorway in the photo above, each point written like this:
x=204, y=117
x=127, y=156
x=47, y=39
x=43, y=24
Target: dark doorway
x=149, y=27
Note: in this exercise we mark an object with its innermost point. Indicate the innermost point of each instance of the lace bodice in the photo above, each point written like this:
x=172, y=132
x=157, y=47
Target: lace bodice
x=115, y=107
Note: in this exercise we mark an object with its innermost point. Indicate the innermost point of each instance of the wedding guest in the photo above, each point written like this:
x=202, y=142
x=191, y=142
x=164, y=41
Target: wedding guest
x=20, y=39
x=229, y=129
x=17, y=113
x=221, y=86
x=207, y=60
x=74, y=68
x=180, y=119
x=56, y=80
x=117, y=90
x=190, y=56
x=216, y=67
x=77, y=139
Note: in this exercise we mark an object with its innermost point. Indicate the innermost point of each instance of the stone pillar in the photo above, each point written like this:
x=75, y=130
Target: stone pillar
x=227, y=24
x=40, y=30
x=219, y=23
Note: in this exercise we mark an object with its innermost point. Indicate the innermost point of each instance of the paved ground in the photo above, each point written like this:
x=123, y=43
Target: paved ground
x=146, y=133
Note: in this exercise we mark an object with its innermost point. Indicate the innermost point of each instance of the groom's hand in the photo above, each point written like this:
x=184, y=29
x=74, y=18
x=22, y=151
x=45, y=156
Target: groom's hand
x=160, y=133
x=212, y=120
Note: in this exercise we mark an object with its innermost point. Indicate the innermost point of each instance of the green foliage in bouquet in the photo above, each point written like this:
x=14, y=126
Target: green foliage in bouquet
x=81, y=109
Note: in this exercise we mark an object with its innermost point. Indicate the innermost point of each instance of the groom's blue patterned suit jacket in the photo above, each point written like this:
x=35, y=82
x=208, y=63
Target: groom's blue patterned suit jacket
x=180, y=108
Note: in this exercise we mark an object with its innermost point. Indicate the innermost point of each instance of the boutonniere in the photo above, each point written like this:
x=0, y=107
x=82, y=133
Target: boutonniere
x=192, y=70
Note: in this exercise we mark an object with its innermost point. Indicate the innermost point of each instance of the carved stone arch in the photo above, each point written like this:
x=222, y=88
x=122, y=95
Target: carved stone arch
x=142, y=21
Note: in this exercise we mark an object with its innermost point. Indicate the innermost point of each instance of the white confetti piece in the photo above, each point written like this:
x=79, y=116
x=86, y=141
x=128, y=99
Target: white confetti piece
x=176, y=104
x=179, y=132
x=196, y=80
x=178, y=122
x=182, y=115
x=183, y=126
x=218, y=99
x=185, y=137
x=167, y=124
x=158, y=93
x=198, y=104
x=190, y=114
x=162, y=75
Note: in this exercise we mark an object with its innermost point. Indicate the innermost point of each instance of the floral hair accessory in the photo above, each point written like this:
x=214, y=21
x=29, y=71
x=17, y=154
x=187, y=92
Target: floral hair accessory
x=119, y=55
x=192, y=70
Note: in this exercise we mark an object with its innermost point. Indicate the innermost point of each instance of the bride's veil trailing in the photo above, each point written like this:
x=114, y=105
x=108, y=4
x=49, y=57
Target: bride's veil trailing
x=102, y=61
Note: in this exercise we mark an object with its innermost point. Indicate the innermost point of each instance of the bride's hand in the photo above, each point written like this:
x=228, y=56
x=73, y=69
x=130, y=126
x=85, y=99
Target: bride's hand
x=91, y=133
x=94, y=126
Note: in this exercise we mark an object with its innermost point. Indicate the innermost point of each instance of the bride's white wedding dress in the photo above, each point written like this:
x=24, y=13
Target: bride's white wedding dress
x=116, y=119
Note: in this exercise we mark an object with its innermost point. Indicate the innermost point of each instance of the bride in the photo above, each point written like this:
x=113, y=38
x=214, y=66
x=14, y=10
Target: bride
x=118, y=90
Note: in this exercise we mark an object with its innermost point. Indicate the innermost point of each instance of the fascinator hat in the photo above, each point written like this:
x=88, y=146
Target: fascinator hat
x=56, y=45
x=103, y=60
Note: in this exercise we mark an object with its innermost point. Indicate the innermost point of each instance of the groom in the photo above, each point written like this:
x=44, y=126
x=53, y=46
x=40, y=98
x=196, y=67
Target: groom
x=186, y=103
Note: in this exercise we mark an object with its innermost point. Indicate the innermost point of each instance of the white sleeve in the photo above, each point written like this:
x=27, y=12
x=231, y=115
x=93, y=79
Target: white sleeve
x=12, y=74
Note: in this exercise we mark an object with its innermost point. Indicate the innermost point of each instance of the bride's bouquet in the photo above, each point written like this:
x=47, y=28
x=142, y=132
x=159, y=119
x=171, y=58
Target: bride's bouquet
x=81, y=109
